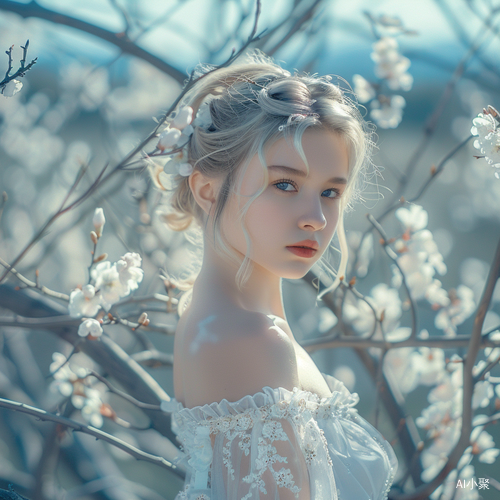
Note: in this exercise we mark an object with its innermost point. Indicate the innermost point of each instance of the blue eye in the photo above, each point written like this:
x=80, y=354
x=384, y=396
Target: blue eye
x=284, y=181
x=292, y=183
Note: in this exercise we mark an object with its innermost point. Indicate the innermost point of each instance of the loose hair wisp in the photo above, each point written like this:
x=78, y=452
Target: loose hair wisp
x=244, y=108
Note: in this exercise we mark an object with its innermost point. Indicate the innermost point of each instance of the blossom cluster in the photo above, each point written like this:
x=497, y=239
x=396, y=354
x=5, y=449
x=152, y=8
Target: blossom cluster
x=69, y=381
x=419, y=259
x=485, y=127
x=390, y=66
x=176, y=135
x=443, y=418
x=111, y=283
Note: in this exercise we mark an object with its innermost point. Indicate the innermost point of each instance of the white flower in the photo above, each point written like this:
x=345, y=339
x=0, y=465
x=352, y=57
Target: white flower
x=107, y=281
x=391, y=65
x=483, y=392
x=91, y=410
x=183, y=117
x=413, y=219
x=389, y=112
x=67, y=380
x=383, y=299
x=98, y=221
x=168, y=138
x=430, y=364
x=460, y=308
x=203, y=117
x=90, y=327
x=363, y=89
x=129, y=271
x=483, y=445
x=488, y=141
x=435, y=415
x=84, y=302
x=12, y=88
x=401, y=364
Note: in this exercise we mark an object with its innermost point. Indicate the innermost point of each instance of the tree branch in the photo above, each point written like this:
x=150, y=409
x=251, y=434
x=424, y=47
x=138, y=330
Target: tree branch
x=33, y=9
x=86, y=429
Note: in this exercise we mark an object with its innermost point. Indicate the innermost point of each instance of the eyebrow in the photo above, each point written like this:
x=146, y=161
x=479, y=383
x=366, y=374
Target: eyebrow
x=300, y=173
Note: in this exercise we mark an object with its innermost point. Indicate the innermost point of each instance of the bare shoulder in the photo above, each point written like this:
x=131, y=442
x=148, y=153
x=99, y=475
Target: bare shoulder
x=237, y=354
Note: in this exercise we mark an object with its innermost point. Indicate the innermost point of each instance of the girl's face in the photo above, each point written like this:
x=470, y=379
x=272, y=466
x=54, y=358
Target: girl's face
x=293, y=207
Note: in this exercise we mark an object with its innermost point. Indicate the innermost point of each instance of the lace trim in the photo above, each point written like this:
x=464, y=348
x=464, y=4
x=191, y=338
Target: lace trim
x=300, y=407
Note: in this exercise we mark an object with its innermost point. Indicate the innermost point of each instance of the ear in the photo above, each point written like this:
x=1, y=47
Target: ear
x=204, y=190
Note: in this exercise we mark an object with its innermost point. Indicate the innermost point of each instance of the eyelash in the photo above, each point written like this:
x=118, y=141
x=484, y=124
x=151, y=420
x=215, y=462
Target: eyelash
x=290, y=181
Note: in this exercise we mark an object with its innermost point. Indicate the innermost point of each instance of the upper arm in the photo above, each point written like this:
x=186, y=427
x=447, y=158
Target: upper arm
x=234, y=360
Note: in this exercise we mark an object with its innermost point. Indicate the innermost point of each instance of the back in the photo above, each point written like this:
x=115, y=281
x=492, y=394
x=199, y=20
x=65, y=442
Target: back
x=231, y=355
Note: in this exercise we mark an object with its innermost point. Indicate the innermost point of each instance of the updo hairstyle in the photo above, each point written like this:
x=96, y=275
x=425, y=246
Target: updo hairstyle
x=252, y=105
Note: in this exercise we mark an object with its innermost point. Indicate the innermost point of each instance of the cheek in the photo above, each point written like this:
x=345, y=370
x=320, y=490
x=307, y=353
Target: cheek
x=264, y=222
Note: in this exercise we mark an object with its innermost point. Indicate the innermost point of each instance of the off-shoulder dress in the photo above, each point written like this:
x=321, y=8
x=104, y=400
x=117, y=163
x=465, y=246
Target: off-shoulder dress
x=281, y=444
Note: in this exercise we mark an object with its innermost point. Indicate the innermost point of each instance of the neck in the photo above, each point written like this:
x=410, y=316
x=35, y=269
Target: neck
x=261, y=293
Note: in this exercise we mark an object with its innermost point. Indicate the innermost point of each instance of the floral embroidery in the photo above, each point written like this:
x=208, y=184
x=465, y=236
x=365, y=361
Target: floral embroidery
x=302, y=409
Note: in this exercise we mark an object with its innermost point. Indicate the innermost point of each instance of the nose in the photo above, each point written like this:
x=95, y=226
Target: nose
x=313, y=217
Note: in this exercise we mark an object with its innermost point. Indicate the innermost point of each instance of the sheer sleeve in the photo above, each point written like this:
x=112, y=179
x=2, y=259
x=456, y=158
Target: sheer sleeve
x=283, y=445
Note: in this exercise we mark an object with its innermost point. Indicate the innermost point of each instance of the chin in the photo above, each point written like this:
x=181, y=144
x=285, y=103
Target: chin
x=295, y=274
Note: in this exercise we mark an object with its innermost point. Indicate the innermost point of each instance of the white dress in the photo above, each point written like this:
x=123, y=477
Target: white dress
x=271, y=444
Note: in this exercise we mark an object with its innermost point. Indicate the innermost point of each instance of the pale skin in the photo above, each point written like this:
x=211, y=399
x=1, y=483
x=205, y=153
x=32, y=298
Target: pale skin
x=216, y=354
x=283, y=215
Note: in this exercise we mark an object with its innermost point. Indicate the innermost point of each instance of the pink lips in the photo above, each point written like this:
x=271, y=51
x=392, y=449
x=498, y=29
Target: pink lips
x=306, y=243
x=302, y=252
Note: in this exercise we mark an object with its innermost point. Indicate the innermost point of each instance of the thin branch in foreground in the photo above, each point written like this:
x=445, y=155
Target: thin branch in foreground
x=86, y=429
x=22, y=69
x=122, y=394
x=32, y=284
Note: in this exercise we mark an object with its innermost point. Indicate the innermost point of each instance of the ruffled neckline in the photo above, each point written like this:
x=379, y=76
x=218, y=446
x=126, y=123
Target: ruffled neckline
x=268, y=395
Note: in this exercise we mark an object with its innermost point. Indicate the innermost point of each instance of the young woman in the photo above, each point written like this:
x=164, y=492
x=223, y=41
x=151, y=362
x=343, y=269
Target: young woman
x=270, y=164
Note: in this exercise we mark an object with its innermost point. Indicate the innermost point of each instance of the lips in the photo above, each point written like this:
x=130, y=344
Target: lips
x=311, y=244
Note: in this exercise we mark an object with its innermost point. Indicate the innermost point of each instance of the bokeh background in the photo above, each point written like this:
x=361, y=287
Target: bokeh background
x=85, y=101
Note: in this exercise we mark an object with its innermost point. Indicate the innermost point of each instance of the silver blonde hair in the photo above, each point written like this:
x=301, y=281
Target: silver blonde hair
x=252, y=105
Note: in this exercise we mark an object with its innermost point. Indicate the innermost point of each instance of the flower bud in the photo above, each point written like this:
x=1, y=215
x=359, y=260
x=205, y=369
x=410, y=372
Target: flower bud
x=93, y=237
x=98, y=221
x=183, y=118
x=143, y=319
x=168, y=138
x=100, y=258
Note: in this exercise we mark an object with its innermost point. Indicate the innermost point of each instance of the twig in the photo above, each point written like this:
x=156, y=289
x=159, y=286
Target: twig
x=360, y=296
x=43, y=323
x=86, y=429
x=62, y=210
x=393, y=256
x=23, y=68
x=33, y=9
x=154, y=358
x=122, y=394
x=415, y=198
x=32, y=284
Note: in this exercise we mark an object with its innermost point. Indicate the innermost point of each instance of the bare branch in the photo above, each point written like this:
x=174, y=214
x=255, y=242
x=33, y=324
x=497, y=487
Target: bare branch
x=122, y=394
x=86, y=429
x=468, y=387
x=32, y=284
x=33, y=9
x=393, y=256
